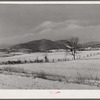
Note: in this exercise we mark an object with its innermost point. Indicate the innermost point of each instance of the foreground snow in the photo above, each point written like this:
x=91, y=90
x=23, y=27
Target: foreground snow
x=87, y=68
x=51, y=56
x=18, y=82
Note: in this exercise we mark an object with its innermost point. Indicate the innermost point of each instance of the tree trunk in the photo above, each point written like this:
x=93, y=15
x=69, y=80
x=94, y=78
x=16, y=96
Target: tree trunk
x=74, y=57
x=74, y=54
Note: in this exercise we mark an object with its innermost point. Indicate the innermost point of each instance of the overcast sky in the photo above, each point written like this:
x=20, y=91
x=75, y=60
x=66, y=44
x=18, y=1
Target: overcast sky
x=22, y=23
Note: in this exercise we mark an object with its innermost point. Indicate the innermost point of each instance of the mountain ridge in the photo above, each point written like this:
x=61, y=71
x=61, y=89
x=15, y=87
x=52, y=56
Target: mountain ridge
x=38, y=46
x=43, y=45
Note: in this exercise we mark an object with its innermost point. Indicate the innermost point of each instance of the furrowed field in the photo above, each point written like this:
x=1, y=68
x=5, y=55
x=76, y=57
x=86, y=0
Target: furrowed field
x=82, y=73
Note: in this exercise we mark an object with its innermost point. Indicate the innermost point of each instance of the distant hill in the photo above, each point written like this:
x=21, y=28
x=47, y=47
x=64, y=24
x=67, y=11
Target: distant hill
x=38, y=45
x=45, y=45
x=2, y=46
x=93, y=44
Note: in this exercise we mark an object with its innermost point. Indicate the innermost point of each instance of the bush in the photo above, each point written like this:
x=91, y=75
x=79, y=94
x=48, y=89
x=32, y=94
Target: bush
x=42, y=75
x=12, y=69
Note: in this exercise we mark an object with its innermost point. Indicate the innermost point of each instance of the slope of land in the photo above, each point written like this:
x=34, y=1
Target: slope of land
x=38, y=45
x=74, y=74
x=18, y=82
x=45, y=45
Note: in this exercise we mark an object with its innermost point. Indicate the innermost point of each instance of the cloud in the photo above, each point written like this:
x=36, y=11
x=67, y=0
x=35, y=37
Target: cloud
x=74, y=26
x=58, y=25
x=20, y=23
x=63, y=30
x=58, y=30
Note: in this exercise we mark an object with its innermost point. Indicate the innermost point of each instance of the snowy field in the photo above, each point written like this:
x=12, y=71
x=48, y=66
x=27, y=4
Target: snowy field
x=82, y=73
x=51, y=56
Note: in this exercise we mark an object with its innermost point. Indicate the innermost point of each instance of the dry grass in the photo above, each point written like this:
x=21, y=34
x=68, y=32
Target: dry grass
x=78, y=78
x=40, y=74
x=12, y=69
x=86, y=77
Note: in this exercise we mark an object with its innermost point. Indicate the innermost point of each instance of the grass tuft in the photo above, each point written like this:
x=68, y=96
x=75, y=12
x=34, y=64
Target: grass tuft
x=12, y=69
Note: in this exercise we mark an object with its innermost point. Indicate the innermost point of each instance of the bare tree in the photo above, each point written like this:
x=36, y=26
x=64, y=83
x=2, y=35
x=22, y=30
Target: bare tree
x=73, y=45
x=45, y=54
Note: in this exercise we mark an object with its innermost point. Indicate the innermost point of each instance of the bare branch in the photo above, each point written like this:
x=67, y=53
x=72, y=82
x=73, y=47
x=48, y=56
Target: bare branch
x=73, y=45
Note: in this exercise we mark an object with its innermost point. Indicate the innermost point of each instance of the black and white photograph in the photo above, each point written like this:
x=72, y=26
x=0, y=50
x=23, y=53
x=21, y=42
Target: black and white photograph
x=50, y=46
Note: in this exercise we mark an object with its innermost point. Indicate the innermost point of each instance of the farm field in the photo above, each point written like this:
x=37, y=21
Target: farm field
x=50, y=46
x=81, y=73
x=51, y=56
x=15, y=82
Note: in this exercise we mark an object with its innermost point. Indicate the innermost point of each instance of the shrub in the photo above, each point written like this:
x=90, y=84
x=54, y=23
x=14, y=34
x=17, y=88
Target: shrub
x=42, y=75
x=12, y=69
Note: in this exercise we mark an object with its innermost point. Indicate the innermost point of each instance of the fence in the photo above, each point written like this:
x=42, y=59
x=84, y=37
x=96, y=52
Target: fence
x=78, y=57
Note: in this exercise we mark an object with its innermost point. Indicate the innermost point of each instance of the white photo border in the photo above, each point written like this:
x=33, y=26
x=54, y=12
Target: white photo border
x=49, y=94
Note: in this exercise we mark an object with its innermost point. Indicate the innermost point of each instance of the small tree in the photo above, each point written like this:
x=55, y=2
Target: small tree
x=45, y=54
x=73, y=45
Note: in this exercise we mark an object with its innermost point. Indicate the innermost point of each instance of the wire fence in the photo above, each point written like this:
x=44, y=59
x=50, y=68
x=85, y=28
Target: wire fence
x=47, y=60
